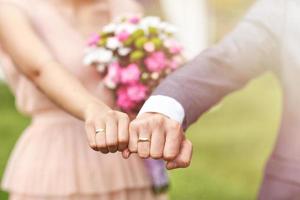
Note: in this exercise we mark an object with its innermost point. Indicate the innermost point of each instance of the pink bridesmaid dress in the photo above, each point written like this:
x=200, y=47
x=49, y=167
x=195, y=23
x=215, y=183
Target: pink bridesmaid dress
x=52, y=159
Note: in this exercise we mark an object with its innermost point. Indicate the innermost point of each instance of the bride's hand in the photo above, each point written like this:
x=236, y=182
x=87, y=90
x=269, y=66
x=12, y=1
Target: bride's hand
x=107, y=129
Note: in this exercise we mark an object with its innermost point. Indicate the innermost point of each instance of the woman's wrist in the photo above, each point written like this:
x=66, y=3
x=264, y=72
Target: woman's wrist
x=93, y=106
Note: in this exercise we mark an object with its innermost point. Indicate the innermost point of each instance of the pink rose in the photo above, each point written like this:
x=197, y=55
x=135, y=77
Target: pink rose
x=123, y=100
x=137, y=92
x=130, y=74
x=134, y=20
x=156, y=61
x=123, y=36
x=94, y=39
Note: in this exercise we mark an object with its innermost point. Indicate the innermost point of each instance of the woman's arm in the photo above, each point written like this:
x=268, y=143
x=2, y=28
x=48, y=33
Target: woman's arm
x=35, y=61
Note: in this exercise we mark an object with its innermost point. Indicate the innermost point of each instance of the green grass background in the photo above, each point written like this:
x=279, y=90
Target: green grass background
x=231, y=143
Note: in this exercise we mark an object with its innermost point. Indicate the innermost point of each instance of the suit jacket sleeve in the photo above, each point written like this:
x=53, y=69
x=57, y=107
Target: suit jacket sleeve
x=249, y=50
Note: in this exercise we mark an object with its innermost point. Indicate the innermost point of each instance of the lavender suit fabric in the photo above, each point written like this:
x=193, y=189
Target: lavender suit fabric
x=267, y=39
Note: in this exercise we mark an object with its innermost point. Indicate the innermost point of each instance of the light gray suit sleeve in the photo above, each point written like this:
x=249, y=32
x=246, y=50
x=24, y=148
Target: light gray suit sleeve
x=251, y=49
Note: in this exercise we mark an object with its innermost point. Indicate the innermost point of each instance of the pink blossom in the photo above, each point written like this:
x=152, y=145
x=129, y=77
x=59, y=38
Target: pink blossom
x=173, y=64
x=130, y=74
x=137, y=92
x=114, y=72
x=123, y=100
x=123, y=35
x=94, y=39
x=156, y=61
x=173, y=46
x=134, y=20
x=179, y=60
x=149, y=47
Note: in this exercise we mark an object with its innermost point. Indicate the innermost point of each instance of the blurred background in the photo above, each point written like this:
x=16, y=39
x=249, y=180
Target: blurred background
x=231, y=142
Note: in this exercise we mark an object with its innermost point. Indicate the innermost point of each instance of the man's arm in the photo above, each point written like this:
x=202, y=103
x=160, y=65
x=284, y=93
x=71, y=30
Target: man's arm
x=248, y=51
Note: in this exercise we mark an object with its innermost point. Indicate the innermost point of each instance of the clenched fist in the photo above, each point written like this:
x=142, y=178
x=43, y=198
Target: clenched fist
x=153, y=135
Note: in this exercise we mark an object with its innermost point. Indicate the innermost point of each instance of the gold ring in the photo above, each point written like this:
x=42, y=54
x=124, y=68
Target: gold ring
x=100, y=130
x=143, y=139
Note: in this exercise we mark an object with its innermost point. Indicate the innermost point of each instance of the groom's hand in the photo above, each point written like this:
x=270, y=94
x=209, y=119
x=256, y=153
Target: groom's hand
x=157, y=136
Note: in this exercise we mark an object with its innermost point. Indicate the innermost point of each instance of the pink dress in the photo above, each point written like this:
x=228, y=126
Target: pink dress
x=52, y=159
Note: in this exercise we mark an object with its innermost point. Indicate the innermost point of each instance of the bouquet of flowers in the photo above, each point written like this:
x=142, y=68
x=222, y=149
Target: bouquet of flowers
x=134, y=54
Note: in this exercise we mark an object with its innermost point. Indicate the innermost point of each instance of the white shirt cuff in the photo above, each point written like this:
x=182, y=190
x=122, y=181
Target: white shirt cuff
x=164, y=105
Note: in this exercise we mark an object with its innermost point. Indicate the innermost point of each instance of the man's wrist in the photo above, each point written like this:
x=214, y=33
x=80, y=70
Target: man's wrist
x=164, y=105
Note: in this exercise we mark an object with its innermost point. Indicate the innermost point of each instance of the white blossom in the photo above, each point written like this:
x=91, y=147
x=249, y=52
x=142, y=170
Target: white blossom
x=124, y=51
x=170, y=29
x=110, y=28
x=151, y=21
x=97, y=55
x=130, y=28
x=113, y=43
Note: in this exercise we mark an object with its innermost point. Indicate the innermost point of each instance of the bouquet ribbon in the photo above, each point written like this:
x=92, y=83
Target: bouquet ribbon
x=158, y=175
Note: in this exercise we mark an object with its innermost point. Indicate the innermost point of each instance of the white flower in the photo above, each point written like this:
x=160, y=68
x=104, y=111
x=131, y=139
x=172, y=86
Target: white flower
x=163, y=25
x=97, y=55
x=113, y=43
x=130, y=28
x=170, y=28
x=124, y=51
x=110, y=28
x=163, y=36
x=151, y=21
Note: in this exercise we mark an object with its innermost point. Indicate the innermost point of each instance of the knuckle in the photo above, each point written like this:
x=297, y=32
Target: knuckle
x=174, y=125
x=144, y=124
x=185, y=163
x=144, y=155
x=156, y=155
x=132, y=148
x=122, y=147
x=113, y=150
x=138, y=124
x=158, y=119
x=111, y=114
x=132, y=126
x=89, y=123
x=123, y=141
x=112, y=144
x=100, y=146
x=169, y=156
x=104, y=150
x=123, y=116
x=93, y=146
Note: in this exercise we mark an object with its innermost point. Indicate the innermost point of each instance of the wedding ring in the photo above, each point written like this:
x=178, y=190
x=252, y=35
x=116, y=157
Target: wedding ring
x=143, y=139
x=100, y=130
